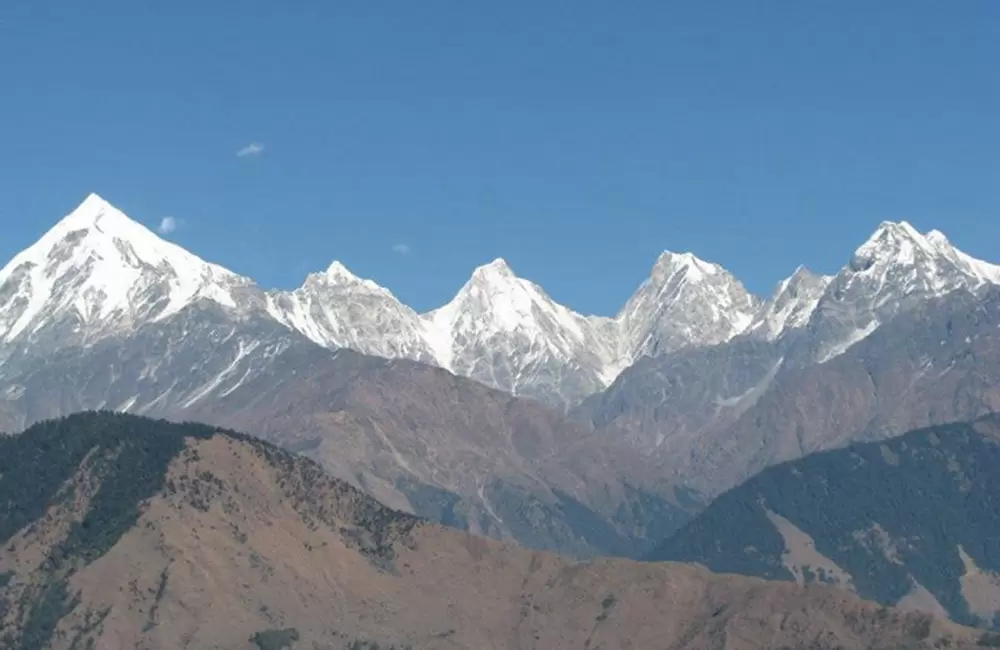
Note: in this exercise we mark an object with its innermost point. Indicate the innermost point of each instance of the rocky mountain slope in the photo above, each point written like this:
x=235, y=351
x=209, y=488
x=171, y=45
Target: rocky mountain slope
x=912, y=522
x=425, y=440
x=134, y=533
x=416, y=436
x=715, y=416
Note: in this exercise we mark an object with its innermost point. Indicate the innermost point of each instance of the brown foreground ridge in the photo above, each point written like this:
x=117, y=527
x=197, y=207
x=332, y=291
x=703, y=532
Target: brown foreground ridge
x=145, y=534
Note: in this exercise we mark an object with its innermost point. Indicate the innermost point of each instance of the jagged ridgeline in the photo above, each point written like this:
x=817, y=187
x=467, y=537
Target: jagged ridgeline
x=913, y=521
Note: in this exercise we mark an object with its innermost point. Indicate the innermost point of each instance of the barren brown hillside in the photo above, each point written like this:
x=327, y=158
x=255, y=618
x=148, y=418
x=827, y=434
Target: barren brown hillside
x=243, y=546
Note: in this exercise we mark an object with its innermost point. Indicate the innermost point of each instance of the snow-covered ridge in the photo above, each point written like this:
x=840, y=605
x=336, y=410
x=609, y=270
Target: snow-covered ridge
x=98, y=273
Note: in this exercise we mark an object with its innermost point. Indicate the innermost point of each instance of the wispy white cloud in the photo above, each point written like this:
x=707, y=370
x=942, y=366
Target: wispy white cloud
x=253, y=149
x=168, y=225
x=401, y=249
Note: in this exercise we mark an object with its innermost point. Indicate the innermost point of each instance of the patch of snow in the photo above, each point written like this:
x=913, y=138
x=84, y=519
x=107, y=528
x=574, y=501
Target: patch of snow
x=852, y=337
x=244, y=350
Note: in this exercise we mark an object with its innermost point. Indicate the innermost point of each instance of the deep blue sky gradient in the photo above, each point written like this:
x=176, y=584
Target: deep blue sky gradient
x=575, y=138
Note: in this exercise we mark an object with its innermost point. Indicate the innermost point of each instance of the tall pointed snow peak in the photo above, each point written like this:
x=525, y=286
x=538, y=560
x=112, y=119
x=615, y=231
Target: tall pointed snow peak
x=495, y=292
x=96, y=214
x=686, y=301
x=98, y=271
x=507, y=332
x=89, y=212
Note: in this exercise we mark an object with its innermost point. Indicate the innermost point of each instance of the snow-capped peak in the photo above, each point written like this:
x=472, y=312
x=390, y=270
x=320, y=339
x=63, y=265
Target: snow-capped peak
x=893, y=243
x=338, y=271
x=495, y=293
x=97, y=270
x=90, y=211
x=496, y=271
x=791, y=304
x=894, y=269
x=338, y=309
x=686, y=301
x=929, y=261
x=497, y=317
x=695, y=269
x=338, y=274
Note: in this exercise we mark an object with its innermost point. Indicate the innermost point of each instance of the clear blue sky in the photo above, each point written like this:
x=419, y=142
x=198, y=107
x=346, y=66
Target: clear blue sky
x=575, y=138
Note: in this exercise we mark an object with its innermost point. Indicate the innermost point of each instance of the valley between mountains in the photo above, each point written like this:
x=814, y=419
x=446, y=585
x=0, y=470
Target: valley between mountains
x=508, y=416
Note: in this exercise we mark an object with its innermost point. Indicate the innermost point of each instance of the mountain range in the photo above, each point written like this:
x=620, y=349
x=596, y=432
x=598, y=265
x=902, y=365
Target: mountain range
x=123, y=532
x=98, y=273
x=502, y=412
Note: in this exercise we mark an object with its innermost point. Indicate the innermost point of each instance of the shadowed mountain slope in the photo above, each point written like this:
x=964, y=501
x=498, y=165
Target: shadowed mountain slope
x=913, y=521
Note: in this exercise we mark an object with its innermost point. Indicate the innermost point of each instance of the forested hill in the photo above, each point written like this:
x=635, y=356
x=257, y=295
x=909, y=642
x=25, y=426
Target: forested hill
x=121, y=532
x=913, y=521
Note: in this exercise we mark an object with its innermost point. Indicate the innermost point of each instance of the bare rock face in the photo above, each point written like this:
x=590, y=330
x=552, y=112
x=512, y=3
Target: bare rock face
x=230, y=542
x=715, y=417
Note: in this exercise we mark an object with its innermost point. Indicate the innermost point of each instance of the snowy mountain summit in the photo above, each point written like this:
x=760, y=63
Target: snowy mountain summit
x=686, y=301
x=895, y=269
x=98, y=273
